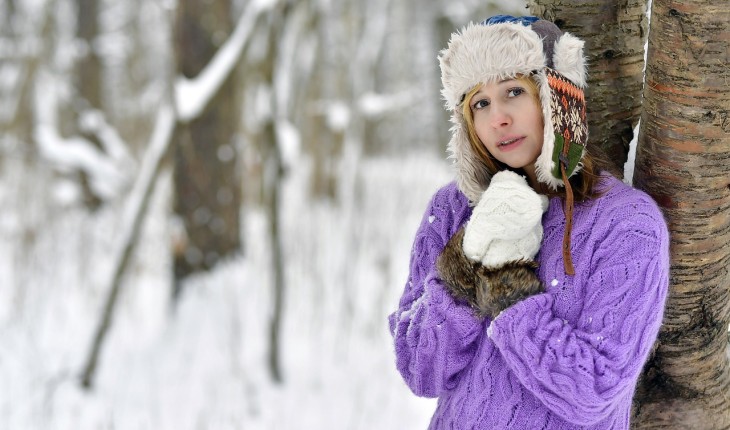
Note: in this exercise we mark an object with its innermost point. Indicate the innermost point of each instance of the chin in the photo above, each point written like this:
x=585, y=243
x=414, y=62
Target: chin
x=517, y=166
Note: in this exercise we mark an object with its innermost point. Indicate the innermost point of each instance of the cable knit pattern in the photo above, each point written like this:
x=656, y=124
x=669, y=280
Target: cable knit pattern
x=505, y=225
x=436, y=338
x=565, y=359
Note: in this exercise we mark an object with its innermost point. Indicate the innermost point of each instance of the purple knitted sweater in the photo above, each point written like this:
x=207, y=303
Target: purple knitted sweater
x=565, y=359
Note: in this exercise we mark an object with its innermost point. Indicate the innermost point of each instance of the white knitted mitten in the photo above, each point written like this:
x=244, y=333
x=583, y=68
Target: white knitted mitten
x=506, y=224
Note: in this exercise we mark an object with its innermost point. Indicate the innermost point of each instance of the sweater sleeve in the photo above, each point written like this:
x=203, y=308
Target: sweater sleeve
x=435, y=337
x=581, y=371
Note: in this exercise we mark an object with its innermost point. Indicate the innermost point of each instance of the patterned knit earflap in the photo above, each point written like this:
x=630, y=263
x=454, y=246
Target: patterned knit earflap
x=568, y=106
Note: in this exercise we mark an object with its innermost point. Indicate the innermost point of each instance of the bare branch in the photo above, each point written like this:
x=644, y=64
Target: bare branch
x=131, y=224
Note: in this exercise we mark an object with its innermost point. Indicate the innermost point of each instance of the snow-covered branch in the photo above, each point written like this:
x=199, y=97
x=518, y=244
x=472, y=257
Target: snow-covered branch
x=372, y=105
x=193, y=95
x=108, y=173
x=93, y=122
x=369, y=105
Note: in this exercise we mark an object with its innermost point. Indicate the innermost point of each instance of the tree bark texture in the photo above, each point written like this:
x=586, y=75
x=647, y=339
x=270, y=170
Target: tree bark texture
x=614, y=32
x=207, y=185
x=683, y=161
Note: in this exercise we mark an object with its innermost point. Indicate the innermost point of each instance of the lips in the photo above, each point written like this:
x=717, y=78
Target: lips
x=510, y=142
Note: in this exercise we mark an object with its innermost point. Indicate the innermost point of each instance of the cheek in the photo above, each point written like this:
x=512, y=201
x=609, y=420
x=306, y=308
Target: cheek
x=538, y=125
x=540, y=122
x=540, y=131
x=482, y=132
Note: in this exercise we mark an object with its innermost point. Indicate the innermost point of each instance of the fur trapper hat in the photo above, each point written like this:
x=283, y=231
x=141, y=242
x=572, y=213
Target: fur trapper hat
x=504, y=47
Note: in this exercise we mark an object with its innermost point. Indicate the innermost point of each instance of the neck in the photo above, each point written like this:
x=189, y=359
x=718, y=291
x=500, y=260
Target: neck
x=531, y=176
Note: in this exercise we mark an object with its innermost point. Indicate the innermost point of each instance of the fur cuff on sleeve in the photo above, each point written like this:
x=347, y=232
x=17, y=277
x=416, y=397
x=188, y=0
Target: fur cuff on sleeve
x=488, y=290
x=502, y=287
x=458, y=272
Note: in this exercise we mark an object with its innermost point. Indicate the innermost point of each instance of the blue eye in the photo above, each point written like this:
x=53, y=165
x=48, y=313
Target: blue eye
x=481, y=104
x=514, y=92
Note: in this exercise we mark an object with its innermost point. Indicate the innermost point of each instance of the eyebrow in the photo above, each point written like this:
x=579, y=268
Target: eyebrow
x=481, y=90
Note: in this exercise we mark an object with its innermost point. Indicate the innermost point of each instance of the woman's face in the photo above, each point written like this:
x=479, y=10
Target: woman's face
x=509, y=123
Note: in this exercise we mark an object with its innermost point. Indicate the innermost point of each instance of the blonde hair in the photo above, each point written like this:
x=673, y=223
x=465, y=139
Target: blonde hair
x=582, y=182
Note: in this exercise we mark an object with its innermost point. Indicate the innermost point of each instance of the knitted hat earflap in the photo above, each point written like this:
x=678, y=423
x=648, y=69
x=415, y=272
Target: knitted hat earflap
x=567, y=102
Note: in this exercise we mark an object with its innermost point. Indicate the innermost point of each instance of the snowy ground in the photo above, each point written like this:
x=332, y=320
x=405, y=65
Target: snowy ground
x=203, y=365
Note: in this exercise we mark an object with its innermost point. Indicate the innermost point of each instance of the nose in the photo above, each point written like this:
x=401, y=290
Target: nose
x=499, y=116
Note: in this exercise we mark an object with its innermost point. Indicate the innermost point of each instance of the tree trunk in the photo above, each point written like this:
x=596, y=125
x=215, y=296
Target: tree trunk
x=88, y=85
x=207, y=186
x=88, y=68
x=272, y=181
x=323, y=134
x=683, y=161
x=614, y=32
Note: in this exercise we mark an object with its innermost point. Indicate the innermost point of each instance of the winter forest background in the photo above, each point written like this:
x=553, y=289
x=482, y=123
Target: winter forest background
x=348, y=90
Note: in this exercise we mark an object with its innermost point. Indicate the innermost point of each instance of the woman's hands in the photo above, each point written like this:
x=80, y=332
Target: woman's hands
x=489, y=262
x=506, y=224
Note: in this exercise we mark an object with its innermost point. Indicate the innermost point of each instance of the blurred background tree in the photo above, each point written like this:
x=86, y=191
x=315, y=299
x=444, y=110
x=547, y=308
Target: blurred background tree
x=207, y=197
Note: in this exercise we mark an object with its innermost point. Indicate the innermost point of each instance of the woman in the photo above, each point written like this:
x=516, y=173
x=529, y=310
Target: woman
x=537, y=282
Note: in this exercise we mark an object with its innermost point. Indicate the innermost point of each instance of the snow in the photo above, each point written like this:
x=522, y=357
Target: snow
x=203, y=363
x=338, y=116
x=631, y=160
x=289, y=142
x=373, y=105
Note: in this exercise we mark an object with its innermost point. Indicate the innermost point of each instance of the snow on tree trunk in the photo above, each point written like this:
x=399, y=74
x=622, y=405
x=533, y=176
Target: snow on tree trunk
x=683, y=161
x=615, y=33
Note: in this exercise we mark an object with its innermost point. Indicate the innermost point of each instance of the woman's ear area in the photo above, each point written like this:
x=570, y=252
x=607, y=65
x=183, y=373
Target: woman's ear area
x=550, y=34
x=569, y=60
